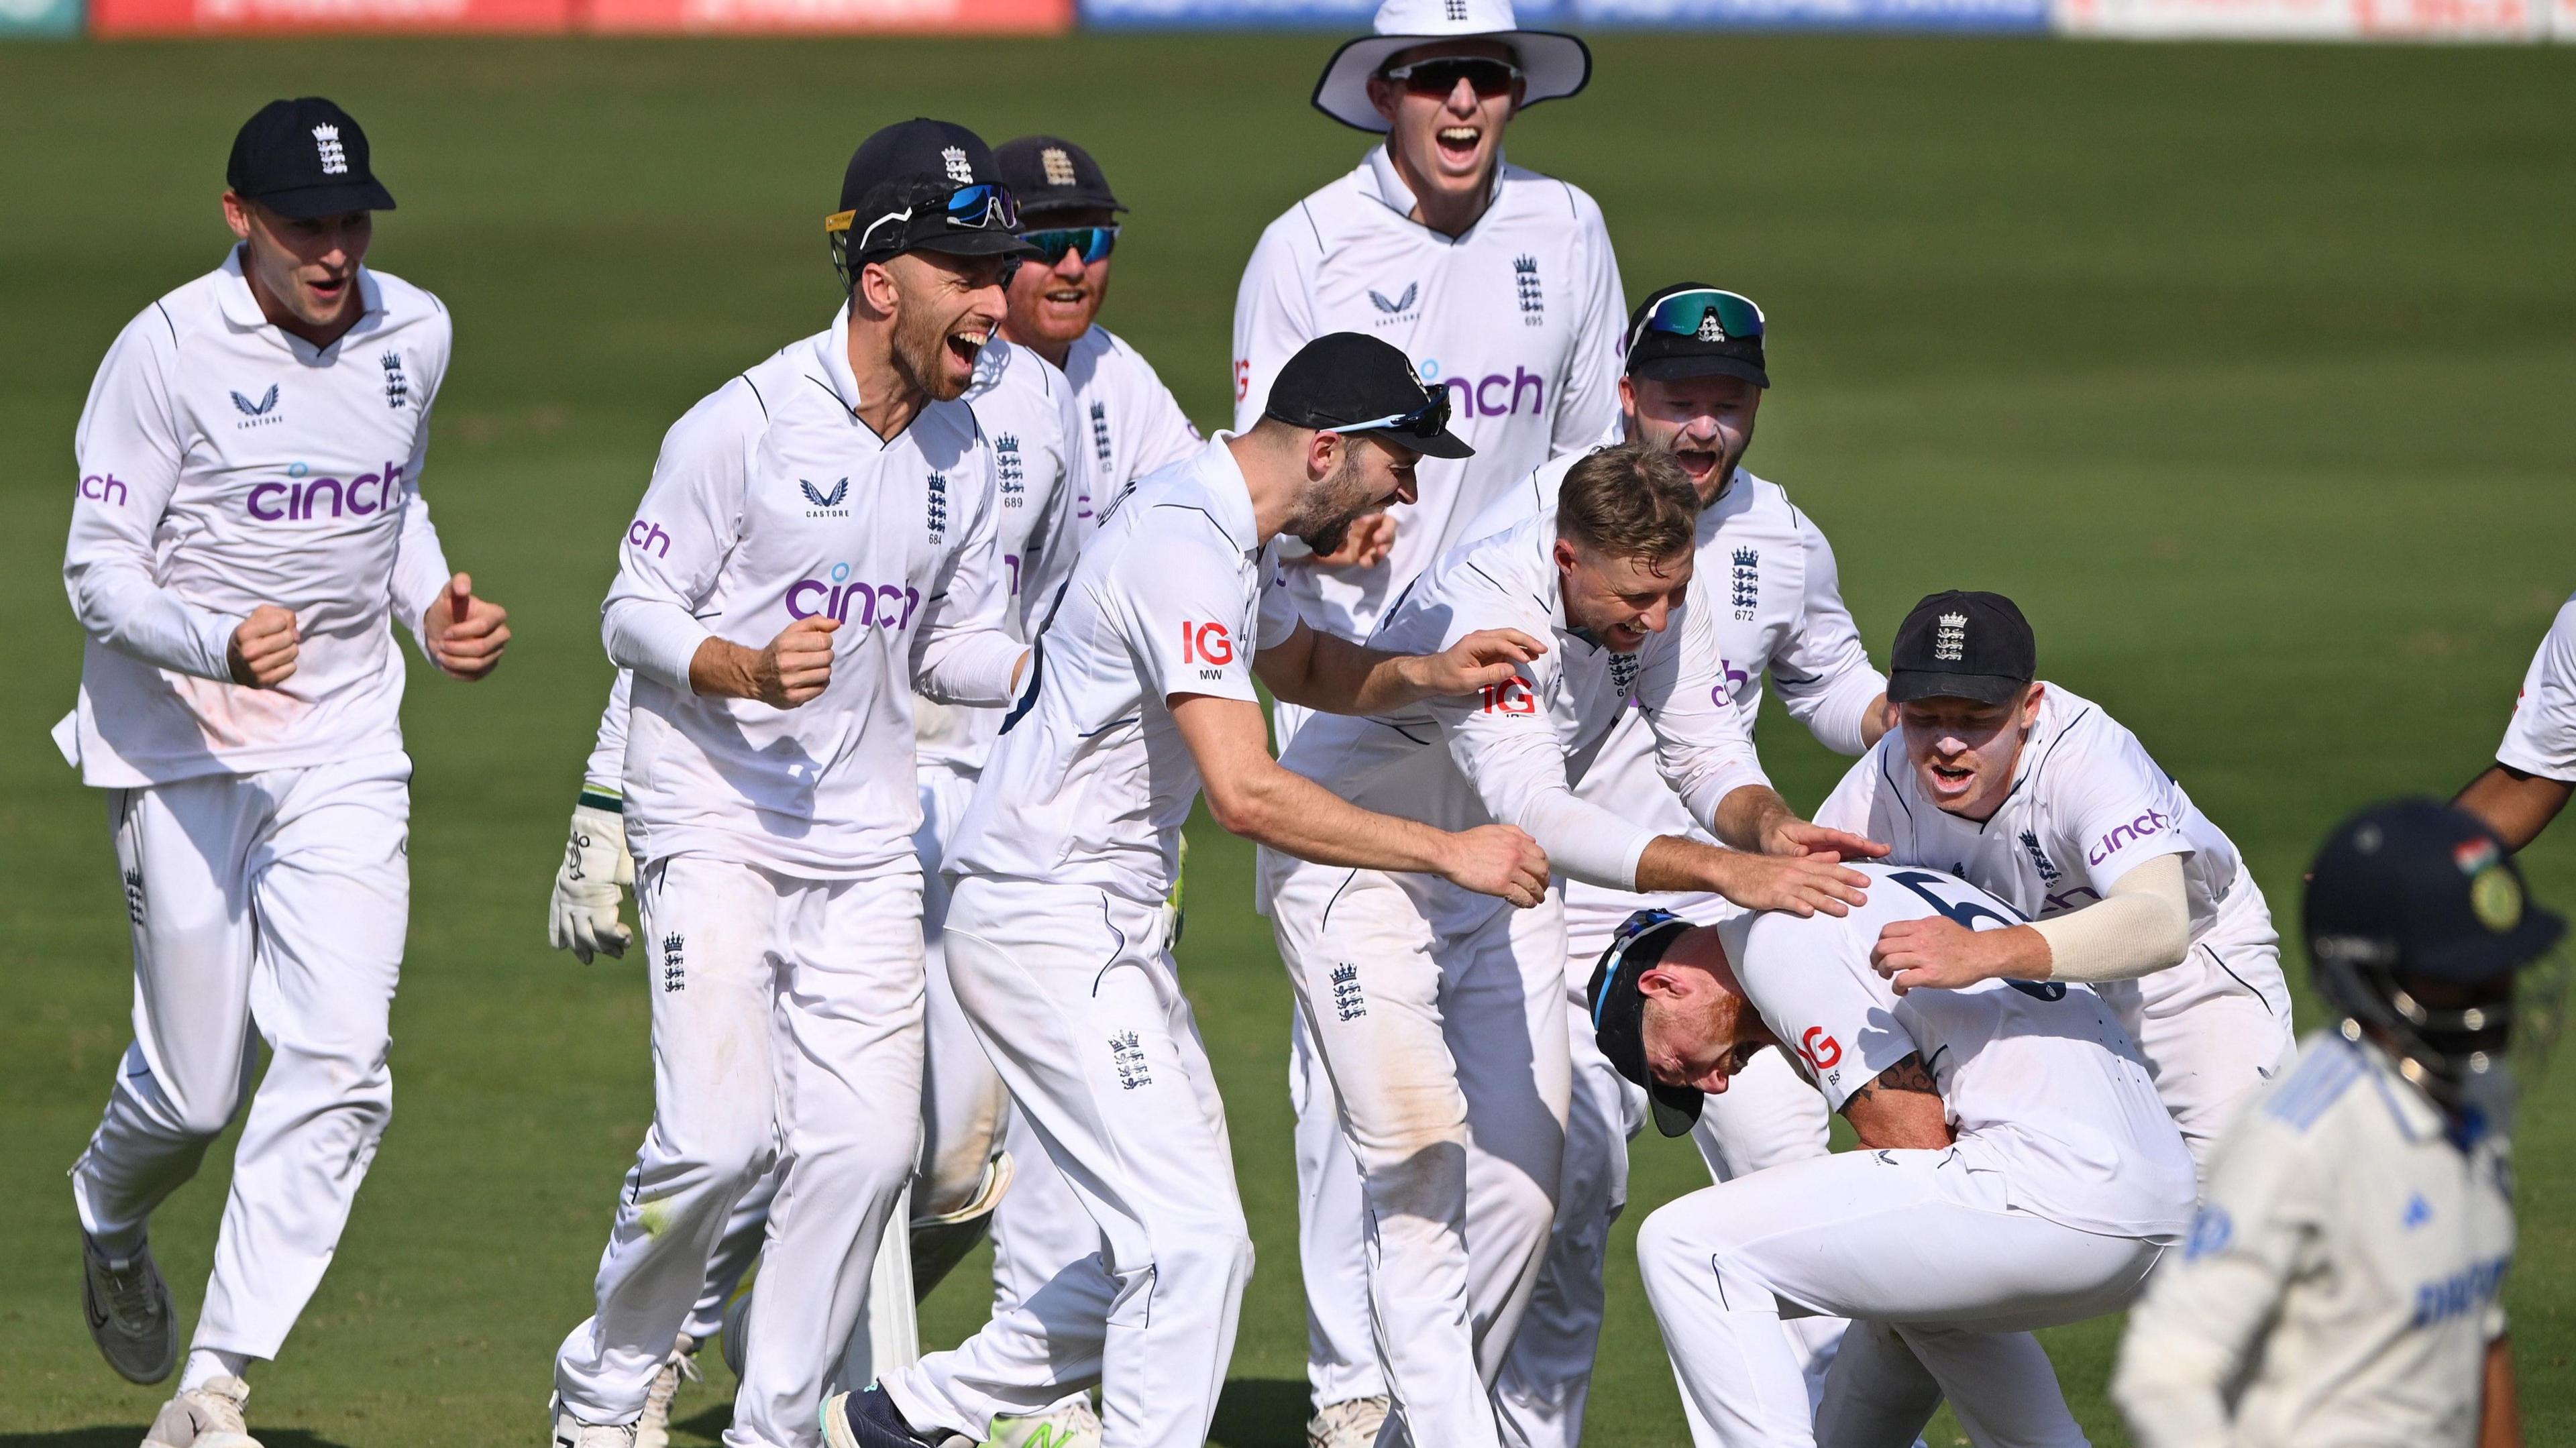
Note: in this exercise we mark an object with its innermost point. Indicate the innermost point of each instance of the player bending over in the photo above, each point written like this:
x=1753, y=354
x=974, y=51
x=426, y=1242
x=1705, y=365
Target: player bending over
x=2016, y=1171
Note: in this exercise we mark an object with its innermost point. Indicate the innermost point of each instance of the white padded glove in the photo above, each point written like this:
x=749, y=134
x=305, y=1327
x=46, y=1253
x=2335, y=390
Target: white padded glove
x=582, y=917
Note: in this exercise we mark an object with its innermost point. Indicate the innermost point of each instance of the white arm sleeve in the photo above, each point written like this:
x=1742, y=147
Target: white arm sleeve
x=605, y=771
x=1824, y=675
x=2142, y=926
x=1587, y=405
x=420, y=565
x=129, y=447
x=683, y=531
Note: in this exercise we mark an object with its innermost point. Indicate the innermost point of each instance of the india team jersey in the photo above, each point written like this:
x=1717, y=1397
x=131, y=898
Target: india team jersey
x=1515, y=752
x=1781, y=612
x=2361, y=1242
x=1091, y=781
x=773, y=502
x=1520, y=319
x=1129, y=419
x=2087, y=806
x=2542, y=737
x=1042, y=478
x=2039, y=1081
x=225, y=464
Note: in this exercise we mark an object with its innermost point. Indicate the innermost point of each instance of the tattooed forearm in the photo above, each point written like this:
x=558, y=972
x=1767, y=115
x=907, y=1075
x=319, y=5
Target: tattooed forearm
x=1900, y=1107
x=1909, y=1074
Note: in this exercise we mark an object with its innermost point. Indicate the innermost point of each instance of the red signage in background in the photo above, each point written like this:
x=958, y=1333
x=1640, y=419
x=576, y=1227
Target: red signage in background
x=217, y=17
x=984, y=17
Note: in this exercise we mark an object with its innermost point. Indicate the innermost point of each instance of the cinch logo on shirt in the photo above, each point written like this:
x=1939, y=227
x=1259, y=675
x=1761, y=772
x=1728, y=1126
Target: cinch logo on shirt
x=1492, y=395
x=1206, y=643
x=301, y=500
x=2152, y=822
x=103, y=488
x=835, y=597
x=648, y=536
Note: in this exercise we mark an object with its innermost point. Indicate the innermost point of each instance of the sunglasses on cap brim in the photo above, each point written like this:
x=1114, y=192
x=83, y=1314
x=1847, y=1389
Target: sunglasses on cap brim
x=1429, y=420
x=1487, y=76
x=1703, y=313
x=984, y=206
x=1094, y=242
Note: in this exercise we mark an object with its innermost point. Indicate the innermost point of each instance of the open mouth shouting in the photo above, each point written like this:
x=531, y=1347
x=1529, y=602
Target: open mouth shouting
x=1949, y=781
x=1460, y=146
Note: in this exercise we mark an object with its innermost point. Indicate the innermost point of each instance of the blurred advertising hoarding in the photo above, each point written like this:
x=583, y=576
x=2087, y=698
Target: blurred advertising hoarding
x=24, y=18
x=2466, y=20
x=1353, y=16
x=204, y=17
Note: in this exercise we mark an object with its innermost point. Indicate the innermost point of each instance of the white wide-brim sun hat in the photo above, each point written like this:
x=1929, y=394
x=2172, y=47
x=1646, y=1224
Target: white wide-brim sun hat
x=1552, y=64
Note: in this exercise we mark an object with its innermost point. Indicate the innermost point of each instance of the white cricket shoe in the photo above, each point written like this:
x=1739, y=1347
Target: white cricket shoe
x=1069, y=1424
x=571, y=1432
x=653, y=1430
x=207, y=1417
x=1352, y=1423
x=129, y=1312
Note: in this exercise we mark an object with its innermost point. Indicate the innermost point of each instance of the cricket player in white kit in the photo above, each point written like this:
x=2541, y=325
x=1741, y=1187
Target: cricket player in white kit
x=1695, y=375
x=833, y=514
x=2535, y=766
x=1055, y=947
x=1500, y=284
x=2040, y=797
x=247, y=527
x=1442, y=1018
x=2343, y=1281
x=2016, y=1171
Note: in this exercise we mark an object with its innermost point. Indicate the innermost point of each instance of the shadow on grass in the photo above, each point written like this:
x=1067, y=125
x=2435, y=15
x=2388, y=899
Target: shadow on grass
x=709, y=1425
x=135, y=1433
x=1261, y=1413
x=127, y=1437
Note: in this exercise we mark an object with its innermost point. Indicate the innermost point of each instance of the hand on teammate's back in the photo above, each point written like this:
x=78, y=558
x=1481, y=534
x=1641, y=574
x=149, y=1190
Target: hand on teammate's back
x=465, y=635
x=1798, y=884
x=1499, y=860
x=1487, y=656
x=262, y=653
x=1935, y=953
x=1793, y=836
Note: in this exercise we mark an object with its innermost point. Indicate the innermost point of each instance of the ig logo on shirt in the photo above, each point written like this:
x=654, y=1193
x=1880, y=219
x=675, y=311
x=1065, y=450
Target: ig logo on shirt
x=1206, y=644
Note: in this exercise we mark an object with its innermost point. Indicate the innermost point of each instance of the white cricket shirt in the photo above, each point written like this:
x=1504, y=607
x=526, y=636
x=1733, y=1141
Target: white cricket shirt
x=1132, y=423
x=2542, y=737
x=771, y=502
x=1782, y=614
x=2038, y=1079
x=2087, y=806
x=224, y=464
x=2345, y=1276
x=1515, y=752
x=1091, y=780
x=1042, y=473
x=1521, y=319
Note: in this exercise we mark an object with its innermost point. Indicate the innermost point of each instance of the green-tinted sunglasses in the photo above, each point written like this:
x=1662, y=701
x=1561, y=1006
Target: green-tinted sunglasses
x=1705, y=313
x=1094, y=242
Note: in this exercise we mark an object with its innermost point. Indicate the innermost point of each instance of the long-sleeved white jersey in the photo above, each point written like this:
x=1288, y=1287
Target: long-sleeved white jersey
x=2039, y=1080
x=226, y=464
x=1133, y=424
x=1515, y=752
x=2343, y=1279
x=1784, y=616
x=2087, y=806
x=2542, y=737
x=1042, y=471
x=773, y=502
x=1091, y=781
x=1521, y=319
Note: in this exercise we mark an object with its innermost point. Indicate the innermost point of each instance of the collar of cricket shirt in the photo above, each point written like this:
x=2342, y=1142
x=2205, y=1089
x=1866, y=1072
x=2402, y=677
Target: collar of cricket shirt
x=1387, y=186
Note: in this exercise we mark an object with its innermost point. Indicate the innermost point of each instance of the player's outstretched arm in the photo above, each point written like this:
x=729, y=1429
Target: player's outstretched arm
x=2515, y=803
x=2141, y=927
x=1328, y=673
x=1251, y=796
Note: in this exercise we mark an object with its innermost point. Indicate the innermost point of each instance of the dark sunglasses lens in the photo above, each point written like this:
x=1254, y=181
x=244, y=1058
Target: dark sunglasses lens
x=1094, y=242
x=1440, y=77
x=1689, y=313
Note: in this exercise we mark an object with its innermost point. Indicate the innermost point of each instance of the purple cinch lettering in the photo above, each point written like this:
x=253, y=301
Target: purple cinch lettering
x=911, y=597
x=252, y=504
x=360, y=481
x=1521, y=377
x=892, y=595
x=795, y=609
x=313, y=497
x=1488, y=408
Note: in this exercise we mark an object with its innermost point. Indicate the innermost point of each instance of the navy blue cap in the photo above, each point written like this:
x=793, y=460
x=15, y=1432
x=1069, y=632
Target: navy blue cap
x=305, y=158
x=2427, y=889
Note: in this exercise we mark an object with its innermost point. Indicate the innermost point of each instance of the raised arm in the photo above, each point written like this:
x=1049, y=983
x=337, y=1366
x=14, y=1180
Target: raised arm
x=1252, y=796
x=1326, y=672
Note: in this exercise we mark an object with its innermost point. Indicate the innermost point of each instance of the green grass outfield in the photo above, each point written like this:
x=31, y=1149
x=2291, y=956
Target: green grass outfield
x=2247, y=370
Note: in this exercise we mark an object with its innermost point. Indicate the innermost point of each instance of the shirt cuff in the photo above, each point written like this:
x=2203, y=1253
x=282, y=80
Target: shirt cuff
x=656, y=640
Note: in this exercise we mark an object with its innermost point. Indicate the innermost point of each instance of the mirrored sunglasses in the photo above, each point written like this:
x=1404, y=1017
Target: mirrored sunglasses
x=1094, y=242
x=1440, y=77
x=1704, y=313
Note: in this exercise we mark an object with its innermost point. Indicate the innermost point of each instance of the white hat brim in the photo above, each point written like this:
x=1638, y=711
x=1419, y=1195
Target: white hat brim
x=1553, y=64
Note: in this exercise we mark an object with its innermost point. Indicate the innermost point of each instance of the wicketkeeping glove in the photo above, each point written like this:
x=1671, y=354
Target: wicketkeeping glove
x=582, y=917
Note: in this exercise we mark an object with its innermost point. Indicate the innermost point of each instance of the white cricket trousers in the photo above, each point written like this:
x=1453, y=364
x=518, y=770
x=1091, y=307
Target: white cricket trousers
x=1448, y=1057
x=1943, y=1280
x=267, y=906
x=1332, y=1235
x=787, y=1032
x=1766, y=1117
x=1077, y=1003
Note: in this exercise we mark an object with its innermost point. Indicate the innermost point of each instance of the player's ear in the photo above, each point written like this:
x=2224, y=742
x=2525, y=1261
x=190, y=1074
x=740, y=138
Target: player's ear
x=237, y=214
x=1382, y=93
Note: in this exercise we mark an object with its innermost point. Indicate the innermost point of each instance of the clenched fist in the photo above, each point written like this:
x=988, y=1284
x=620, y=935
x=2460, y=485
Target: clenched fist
x=795, y=667
x=262, y=652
